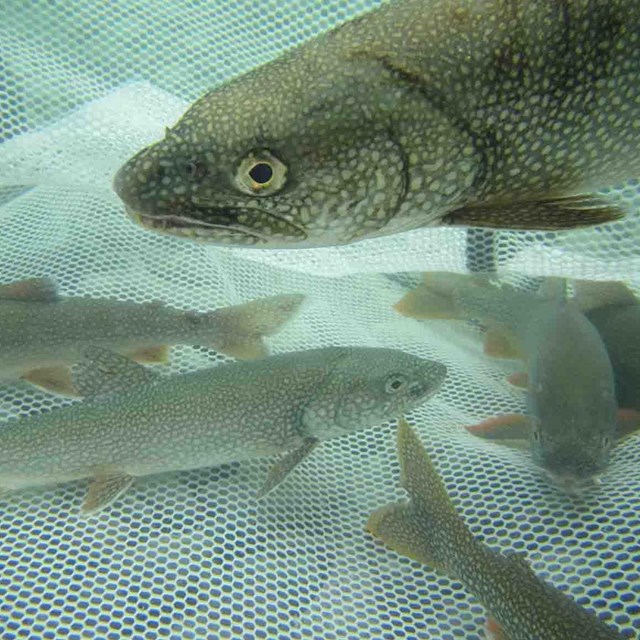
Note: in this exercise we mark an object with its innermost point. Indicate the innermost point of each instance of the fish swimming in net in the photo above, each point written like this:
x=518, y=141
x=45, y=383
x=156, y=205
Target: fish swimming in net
x=42, y=333
x=428, y=529
x=571, y=421
x=136, y=422
x=505, y=114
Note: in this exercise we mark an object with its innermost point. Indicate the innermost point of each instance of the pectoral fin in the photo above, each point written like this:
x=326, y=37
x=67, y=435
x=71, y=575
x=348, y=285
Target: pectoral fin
x=519, y=379
x=552, y=214
x=55, y=379
x=104, y=489
x=150, y=355
x=424, y=304
x=102, y=372
x=281, y=469
x=31, y=290
x=511, y=428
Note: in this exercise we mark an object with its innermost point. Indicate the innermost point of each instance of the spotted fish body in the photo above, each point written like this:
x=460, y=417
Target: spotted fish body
x=148, y=425
x=571, y=391
x=429, y=530
x=499, y=113
x=41, y=332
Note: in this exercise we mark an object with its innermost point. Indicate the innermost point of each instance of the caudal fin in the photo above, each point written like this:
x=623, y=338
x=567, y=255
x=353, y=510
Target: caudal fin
x=422, y=528
x=433, y=298
x=246, y=325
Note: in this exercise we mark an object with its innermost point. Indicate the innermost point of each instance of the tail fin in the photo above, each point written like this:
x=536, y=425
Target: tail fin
x=433, y=299
x=247, y=325
x=422, y=528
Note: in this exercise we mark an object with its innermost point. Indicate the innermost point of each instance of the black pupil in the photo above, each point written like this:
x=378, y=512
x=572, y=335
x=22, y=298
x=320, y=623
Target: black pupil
x=261, y=172
x=396, y=384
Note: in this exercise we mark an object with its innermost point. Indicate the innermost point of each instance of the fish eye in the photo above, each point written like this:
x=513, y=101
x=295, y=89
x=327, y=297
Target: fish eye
x=606, y=441
x=394, y=383
x=261, y=174
x=536, y=434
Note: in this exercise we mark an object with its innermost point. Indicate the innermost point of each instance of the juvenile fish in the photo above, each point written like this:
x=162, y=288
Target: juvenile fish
x=419, y=113
x=42, y=333
x=137, y=423
x=428, y=529
x=571, y=398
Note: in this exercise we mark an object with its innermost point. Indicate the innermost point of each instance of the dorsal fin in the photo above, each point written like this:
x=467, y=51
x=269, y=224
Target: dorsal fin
x=102, y=372
x=30, y=290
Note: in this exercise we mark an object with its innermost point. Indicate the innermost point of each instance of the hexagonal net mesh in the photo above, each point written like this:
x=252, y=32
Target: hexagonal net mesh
x=85, y=84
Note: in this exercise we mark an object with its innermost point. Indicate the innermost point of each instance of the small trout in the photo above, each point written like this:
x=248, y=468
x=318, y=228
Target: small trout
x=137, y=423
x=42, y=333
x=429, y=530
x=571, y=392
x=506, y=114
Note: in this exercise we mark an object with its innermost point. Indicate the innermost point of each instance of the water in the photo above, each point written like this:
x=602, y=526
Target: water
x=83, y=85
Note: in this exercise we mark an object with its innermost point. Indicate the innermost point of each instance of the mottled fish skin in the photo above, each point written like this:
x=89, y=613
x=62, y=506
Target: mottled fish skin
x=429, y=530
x=500, y=113
x=228, y=413
x=571, y=393
x=40, y=330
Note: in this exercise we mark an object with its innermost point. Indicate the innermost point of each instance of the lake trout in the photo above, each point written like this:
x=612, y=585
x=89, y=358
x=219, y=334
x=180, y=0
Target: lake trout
x=428, y=529
x=41, y=333
x=137, y=422
x=572, y=419
x=497, y=113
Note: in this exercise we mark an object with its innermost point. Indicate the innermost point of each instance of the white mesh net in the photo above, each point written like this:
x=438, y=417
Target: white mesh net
x=84, y=85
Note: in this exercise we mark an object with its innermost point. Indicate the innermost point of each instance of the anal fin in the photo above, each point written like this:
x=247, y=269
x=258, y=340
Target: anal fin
x=551, y=214
x=281, y=469
x=30, y=290
x=104, y=489
x=54, y=379
x=499, y=344
x=519, y=379
x=493, y=630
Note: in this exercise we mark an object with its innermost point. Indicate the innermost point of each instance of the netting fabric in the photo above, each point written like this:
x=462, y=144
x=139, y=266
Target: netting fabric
x=84, y=85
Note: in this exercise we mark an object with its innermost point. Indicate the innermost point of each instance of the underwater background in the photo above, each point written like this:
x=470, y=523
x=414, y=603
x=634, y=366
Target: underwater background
x=83, y=86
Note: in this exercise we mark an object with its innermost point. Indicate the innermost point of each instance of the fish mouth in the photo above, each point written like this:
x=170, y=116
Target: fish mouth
x=228, y=231
x=576, y=486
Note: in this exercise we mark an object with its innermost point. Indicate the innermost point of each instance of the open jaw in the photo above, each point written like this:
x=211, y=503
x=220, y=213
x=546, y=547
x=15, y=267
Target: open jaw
x=227, y=231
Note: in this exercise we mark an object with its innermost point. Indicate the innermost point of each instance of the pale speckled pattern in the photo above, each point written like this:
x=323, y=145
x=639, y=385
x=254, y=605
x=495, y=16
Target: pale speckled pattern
x=36, y=334
x=407, y=116
x=229, y=413
x=429, y=530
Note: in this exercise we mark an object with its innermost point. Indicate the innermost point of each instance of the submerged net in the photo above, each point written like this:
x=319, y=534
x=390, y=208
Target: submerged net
x=83, y=85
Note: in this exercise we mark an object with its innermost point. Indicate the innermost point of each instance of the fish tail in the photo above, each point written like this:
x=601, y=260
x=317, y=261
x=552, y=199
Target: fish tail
x=433, y=298
x=246, y=325
x=426, y=527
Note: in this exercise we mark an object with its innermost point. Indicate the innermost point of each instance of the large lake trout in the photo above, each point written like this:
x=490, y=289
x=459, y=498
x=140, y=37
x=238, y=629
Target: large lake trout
x=497, y=113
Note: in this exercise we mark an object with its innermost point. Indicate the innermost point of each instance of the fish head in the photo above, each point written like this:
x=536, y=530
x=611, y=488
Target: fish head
x=573, y=458
x=367, y=386
x=263, y=162
x=291, y=156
